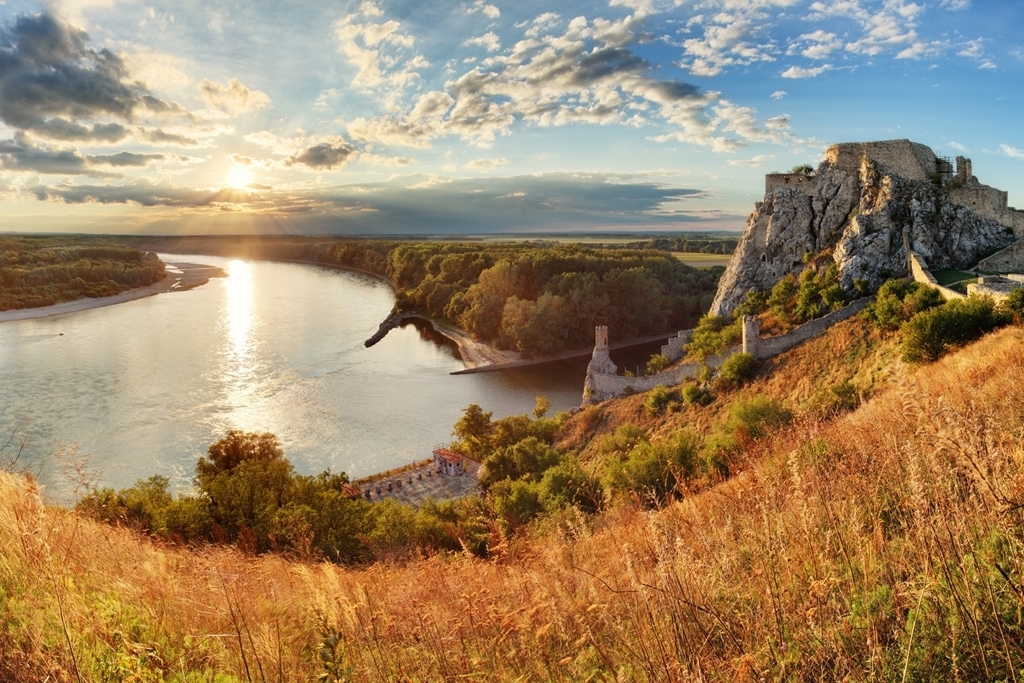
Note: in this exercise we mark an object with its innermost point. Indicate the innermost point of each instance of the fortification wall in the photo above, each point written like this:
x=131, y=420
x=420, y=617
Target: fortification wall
x=909, y=159
x=773, y=346
x=673, y=350
x=790, y=181
x=601, y=387
x=919, y=271
x=1009, y=260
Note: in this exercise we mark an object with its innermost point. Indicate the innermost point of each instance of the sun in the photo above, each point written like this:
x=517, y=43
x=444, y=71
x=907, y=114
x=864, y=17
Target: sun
x=239, y=177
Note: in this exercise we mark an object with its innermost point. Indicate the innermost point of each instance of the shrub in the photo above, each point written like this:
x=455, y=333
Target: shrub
x=657, y=363
x=654, y=472
x=713, y=335
x=569, y=484
x=696, y=395
x=898, y=301
x=930, y=334
x=623, y=440
x=1013, y=304
x=658, y=399
x=737, y=369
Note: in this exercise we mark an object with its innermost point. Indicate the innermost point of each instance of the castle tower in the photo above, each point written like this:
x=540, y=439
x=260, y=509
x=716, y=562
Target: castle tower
x=751, y=335
x=964, y=173
x=601, y=337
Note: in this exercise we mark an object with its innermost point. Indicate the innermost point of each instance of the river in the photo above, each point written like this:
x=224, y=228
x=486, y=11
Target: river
x=144, y=387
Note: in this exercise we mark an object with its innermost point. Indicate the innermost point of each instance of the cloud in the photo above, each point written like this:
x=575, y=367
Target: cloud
x=779, y=94
x=21, y=155
x=234, y=98
x=489, y=41
x=587, y=74
x=975, y=49
x=54, y=85
x=323, y=155
x=142, y=192
x=488, y=10
x=956, y=5
x=429, y=205
x=753, y=161
x=816, y=45
x=1012, y=152
x=487, y=164
x=728, y=41
x=325, y=98
x=379, y=51
x=800, y=72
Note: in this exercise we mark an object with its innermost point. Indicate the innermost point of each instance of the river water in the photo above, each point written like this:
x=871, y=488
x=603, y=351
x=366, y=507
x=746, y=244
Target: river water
x=144, y=387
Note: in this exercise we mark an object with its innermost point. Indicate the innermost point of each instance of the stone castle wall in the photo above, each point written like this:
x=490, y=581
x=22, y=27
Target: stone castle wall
x=601, y=386
x=909, y=159
x=1009, y=260
x=919, y=271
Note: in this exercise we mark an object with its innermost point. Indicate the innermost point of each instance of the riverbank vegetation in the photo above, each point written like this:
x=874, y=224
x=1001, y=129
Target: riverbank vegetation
x=839, y=514
x=42, y=271
x=538, y=299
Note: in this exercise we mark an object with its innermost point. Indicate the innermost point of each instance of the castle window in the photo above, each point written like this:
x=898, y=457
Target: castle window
x=764, y=258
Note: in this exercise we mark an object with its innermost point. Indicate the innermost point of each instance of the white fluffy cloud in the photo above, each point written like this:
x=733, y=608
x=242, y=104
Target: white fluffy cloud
x=234, y=98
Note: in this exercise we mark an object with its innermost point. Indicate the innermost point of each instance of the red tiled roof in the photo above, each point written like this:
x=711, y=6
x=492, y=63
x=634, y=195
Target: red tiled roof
x=450, y=456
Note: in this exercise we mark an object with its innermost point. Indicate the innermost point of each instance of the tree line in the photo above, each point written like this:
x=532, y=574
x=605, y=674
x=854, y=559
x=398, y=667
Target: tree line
x=538, y=299
x=42, y=271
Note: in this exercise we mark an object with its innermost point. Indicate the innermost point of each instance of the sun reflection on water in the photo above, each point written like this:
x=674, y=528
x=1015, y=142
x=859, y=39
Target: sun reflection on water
x=239, y=306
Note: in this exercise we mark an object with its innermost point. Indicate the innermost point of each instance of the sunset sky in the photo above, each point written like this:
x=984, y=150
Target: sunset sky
x=399, y=117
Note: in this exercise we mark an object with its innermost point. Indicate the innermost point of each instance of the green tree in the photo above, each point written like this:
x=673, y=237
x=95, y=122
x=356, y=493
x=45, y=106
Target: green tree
x=474, y=430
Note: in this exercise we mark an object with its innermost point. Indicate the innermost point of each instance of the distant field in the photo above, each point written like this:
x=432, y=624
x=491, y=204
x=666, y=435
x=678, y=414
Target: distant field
x=702, y=260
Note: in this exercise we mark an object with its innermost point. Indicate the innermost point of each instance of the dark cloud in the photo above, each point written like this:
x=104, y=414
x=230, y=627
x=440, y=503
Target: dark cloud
x=420, y=205
x=17, y=155
x=125, y=159
x=54, y=85
x=325, y=155
x=600, y=64
x=159, y=137
x=142, y=192
x=21, y=155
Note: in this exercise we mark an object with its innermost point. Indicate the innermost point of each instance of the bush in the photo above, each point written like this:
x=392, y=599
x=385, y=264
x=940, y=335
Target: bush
x=696, y=395
x=657, y=363
x=930, y=334
x=654, y=472
x=713, y=334
x=1013, y=304
x=898, y=301
x=737, y=369
x=659, y=398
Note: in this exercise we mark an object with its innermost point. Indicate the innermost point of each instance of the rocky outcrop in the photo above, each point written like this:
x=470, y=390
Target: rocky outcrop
x=865, y=214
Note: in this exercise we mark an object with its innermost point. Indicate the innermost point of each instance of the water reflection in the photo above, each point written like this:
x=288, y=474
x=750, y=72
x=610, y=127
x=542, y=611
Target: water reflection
x=239, y=309
x=241, y=357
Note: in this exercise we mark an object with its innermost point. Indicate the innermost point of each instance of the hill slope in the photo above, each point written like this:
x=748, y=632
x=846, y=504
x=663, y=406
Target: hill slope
x=884, y=544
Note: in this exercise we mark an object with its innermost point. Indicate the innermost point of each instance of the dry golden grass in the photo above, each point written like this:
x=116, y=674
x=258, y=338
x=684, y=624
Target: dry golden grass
x=887, y=544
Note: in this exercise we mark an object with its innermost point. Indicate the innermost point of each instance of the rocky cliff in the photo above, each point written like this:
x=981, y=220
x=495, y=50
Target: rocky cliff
x=863, y=206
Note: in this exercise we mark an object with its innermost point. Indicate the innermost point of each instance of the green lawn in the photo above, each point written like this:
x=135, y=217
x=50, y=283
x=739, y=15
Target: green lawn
x=948, y=277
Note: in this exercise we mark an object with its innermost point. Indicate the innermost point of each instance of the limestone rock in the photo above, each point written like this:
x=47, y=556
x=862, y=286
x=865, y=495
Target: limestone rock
x=865, y=203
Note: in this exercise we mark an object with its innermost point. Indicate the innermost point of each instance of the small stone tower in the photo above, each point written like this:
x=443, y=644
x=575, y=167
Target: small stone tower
x=751, y=335
x=600, y=363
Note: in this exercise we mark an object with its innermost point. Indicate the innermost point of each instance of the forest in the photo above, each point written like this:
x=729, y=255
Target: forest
x=538, y=299
x=42, y=271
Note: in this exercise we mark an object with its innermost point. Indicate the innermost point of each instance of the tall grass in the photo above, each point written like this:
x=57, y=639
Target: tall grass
x=887, y=544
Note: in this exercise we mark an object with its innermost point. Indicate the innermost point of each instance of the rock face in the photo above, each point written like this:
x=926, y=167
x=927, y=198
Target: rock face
x=865, y=204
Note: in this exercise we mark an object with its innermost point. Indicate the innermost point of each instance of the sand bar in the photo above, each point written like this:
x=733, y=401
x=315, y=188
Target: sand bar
x=180, y=277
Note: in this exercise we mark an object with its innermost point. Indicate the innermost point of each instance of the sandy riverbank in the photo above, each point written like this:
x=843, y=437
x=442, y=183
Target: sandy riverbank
x=181, y=276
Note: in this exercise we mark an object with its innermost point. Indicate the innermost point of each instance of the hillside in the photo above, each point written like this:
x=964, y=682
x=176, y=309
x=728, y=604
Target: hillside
x=885, y=543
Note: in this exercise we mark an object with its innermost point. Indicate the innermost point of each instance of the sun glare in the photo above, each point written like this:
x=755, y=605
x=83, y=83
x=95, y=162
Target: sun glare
x=239, y=176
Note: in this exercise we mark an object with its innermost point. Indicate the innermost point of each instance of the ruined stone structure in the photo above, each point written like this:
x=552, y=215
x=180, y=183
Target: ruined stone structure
x=867, y=206
x=603, y=383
